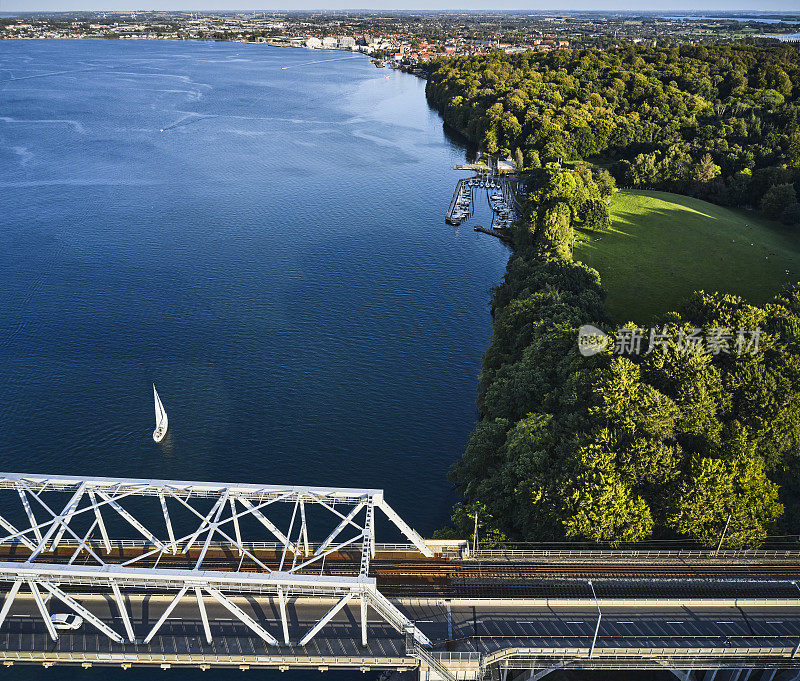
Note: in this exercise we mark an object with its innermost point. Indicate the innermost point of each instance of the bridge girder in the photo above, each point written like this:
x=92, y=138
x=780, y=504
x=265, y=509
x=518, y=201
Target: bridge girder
x=67, y=529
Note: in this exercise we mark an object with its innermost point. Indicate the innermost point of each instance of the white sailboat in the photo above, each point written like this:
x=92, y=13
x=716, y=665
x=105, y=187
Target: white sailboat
x=161, y=418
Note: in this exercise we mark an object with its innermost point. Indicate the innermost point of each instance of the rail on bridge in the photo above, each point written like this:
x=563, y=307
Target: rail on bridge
x=64, y=536
x=177, y=573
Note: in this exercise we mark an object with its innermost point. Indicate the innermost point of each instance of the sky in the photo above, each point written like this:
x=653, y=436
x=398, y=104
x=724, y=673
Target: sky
x=555, y=5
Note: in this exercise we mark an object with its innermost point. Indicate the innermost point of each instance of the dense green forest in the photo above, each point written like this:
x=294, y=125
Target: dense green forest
x=721, y=122
x=676, y=442
x=623, y=447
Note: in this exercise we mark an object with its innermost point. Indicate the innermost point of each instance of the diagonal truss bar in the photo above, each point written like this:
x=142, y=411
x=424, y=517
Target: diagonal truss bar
x=29, y=512
x=363, y=621
x=393, y=616
x=212, y=527
x=338, y=529
x=159, y=580
x=207, y=522
x=17, y=534
x=219, y=531
x=366, y=498
x=83, y=612
x=12, y=594
x=338, y=547
x=66, y=516
x=243, y=616
x=123, y=612
x=166, y=614
x=237, y=532
x=288, y=542
x=21, y=484
x=327, y=617
x=83, y=542
x=266, y=522
x=133, y=521
x=54, y=524
x=37, y=596
x=410, y=534
x=303, y=527
x=168, y=522
x=284, y=618
x=99, y=518
x=203, y=616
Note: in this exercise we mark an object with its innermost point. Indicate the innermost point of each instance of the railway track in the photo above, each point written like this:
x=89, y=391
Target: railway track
x=444, y=572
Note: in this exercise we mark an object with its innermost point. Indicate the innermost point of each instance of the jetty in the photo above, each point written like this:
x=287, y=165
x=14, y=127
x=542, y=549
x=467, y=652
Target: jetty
x=493, y=232
x=500, y=194
x=455, y=213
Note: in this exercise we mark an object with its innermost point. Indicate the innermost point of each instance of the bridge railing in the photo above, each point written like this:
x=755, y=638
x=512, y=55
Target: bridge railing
x=592, y=554
x=457, y=656
x=258, y=545
x=520, y=654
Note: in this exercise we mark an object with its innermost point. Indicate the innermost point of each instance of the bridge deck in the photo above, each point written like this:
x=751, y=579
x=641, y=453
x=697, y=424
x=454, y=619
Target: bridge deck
x=633, y=631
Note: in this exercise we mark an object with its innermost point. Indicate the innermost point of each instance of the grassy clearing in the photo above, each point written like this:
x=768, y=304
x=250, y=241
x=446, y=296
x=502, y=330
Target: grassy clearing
x=663, y=246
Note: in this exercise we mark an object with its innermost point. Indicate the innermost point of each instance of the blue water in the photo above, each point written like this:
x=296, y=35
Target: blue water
x=265, y=243
x=276, y=260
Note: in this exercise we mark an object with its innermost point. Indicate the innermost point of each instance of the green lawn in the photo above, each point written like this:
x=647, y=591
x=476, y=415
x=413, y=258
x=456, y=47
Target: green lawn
x=663, y=246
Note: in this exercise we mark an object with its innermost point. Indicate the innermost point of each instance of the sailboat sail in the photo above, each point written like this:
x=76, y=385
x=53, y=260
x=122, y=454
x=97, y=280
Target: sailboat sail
x=161, y=417
x=159, y=407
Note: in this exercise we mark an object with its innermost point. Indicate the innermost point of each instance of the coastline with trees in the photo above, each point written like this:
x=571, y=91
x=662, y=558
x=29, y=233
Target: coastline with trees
x=676, y=441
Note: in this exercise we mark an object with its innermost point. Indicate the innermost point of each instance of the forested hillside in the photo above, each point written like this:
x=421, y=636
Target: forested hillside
x=624, y=446
x=721, y=122
x=681, y=438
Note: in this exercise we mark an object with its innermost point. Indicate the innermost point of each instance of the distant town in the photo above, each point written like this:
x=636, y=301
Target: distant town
x=406, y=38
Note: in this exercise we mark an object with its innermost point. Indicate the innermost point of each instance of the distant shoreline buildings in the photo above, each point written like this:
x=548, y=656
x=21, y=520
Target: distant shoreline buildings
x=400, y=49
x=401, y=38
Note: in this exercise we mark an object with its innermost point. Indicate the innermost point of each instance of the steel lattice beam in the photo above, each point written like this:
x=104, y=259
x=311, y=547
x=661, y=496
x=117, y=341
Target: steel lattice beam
x=54, y=512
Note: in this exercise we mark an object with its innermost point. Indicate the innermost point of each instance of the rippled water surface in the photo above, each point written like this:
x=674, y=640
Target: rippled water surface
x=259, y=231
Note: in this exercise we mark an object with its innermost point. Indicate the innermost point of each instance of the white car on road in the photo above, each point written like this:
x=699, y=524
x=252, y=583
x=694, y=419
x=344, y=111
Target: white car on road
x=66, y=621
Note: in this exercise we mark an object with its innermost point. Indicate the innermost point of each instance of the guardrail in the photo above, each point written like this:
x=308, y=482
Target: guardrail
x=206, y=661
x=433, y=663
x=457, y=656
x=654, y=652
x=591, y=554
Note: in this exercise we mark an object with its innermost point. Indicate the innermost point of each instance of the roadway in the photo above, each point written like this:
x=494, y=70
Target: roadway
x=483, y=627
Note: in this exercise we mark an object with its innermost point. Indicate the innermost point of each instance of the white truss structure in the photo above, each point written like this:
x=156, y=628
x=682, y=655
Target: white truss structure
x=197, y=540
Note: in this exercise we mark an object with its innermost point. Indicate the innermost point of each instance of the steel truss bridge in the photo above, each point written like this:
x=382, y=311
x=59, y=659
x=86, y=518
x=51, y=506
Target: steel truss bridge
x=175, y=573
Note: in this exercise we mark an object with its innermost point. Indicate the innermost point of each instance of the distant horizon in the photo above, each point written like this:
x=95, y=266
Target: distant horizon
x=646, y=6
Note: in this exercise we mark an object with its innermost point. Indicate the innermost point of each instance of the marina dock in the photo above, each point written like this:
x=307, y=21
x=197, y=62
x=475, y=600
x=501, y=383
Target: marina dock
x=493, y=232
x=500, y=195
x=453, y=215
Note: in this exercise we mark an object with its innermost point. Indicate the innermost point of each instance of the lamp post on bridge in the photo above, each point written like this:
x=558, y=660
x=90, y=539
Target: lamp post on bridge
x=599, y=616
